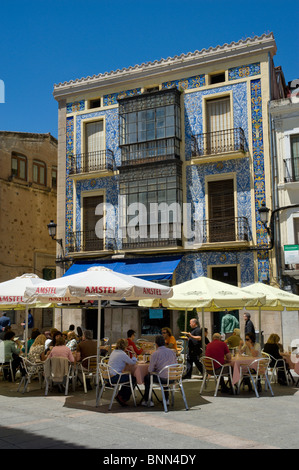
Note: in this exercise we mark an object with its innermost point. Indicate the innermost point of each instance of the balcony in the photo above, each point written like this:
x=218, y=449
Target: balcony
x=230, y=142
x=87, y=241
x=234, y=229
x=100, y=160
x=291, y=166
x=150, y=152
x=158, y=236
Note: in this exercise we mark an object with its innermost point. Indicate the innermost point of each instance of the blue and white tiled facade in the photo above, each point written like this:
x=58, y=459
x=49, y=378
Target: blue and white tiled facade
x=245, y=88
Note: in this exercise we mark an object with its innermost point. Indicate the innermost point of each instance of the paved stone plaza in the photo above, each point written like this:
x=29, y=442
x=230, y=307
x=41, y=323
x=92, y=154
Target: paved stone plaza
x=33, y=421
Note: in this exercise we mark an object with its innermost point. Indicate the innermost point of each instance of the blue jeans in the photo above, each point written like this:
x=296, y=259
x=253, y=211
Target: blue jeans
x=125, y=391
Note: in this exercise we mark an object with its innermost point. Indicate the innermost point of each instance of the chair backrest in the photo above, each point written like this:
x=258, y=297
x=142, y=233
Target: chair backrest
x=57, y=368
x=209, y=364
x=261, y=365
x=174, y=372
x=90, y=363
x=106, y=372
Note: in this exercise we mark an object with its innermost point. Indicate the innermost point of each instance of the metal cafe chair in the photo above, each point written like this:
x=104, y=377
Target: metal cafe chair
x=88, y=370
x=172, y=384
x=106, y=374
x=256, y=370
x=215, y=369
x=31, y=371
x=279, y=364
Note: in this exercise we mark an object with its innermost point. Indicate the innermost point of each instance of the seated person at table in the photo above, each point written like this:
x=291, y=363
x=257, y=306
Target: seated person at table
x=162, y=357
x=170, y=341
x=11, y=353
x=219, y=351
x=35, y=333
x=60, y=350
x=37, y=350
x=250, y=348
x=87, y=347
x=132, y=349
x=234, y=340
x=71, y=341
x=118, y=361
x=272, y=348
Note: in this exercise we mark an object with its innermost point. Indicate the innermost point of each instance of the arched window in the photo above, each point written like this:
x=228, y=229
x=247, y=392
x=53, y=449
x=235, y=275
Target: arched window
x=39, y=172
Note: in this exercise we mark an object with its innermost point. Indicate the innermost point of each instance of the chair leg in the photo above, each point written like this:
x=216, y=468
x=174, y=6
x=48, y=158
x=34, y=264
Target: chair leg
x=254, y=385
x=20, y=384
x=203, y=382
x=113, y=396
x=84, y=382
x=184, y=396
x=132, y=390
x=99, y=394
x=217, y=385
x=163, y=396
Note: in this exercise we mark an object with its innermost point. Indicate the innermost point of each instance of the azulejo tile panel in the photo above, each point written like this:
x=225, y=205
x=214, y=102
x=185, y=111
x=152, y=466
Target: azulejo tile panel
x=195, y=264
x=186, y=83
x=69, y=185
x=259, y=172
x=111, y=99
x=242, y=71
x=75, y=106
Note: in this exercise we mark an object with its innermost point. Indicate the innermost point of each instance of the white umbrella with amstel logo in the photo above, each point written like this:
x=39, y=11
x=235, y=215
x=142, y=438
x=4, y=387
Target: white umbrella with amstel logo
x=97, y=283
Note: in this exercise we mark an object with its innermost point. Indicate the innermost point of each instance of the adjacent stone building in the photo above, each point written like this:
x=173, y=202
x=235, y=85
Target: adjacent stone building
x=28, y=198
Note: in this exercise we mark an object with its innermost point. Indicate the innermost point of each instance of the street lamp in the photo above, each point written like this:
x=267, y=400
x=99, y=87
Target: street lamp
x=52, y=232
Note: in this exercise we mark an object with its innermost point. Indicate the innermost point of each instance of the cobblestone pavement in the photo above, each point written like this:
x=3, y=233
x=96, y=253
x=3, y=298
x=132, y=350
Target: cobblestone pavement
x=34, y=421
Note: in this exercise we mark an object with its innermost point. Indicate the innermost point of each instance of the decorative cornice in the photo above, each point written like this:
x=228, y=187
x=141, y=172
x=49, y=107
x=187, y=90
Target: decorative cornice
x=264, y=43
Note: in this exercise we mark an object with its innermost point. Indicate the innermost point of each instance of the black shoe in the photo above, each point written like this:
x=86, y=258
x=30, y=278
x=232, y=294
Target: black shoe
x=120, y=400
x=225, y=390
x=186, y=377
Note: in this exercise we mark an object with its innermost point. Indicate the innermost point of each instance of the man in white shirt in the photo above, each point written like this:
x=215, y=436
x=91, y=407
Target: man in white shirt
x=162, y=357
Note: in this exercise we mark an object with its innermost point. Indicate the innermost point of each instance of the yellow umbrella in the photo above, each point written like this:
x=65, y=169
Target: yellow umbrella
x=206, y=294
x=275, y=299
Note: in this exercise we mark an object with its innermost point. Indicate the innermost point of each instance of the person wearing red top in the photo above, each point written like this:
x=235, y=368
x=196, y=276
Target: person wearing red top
x=132, y=348
x=219, y=351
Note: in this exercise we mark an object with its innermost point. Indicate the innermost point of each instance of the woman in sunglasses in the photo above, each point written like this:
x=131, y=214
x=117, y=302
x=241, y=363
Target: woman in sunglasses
x=250, y=348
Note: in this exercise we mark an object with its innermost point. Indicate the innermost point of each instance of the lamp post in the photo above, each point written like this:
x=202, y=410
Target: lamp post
x=52, y=232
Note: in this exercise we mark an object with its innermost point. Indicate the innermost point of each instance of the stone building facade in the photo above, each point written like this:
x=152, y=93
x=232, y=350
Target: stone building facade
x=28, y=198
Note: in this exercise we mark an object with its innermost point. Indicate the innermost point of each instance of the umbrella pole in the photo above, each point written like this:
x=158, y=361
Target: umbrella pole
x=26, y=330
x=98, y=346
x=260, y=326
x=203, y=337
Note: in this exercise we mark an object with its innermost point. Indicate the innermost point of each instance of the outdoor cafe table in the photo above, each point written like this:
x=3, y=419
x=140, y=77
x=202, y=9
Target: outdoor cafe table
x=138, y=370
x=236, y=363
x=292, y=365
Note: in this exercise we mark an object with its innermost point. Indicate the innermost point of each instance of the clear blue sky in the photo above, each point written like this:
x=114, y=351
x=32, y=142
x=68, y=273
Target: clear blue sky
x=50, y=41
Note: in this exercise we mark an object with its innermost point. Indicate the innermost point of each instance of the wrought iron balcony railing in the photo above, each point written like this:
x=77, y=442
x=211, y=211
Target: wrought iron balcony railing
x=160, y=235
x=215, y=143
x=86, y=240
x=225, y=230
x=91, y=161
x=291, y=166
x=152, y=151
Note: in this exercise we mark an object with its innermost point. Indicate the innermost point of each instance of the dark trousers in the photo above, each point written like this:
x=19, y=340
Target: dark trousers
x=16, y=362
x=193, y=357
x=125, y=391
x=147, y=383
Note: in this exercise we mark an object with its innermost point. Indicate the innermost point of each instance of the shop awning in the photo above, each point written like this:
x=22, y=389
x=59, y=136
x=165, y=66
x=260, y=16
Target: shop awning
x=151, y=269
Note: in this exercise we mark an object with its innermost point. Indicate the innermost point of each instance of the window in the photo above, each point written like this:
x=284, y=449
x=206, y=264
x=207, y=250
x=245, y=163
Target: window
x=221, y=211
x=39, y=172
x=54, y=177
x=95, y=103
x=159, y=217
x=150, y=126
x=220, y=137
x=94, y=157
x=90, y=240
x=19, y=166
x=217, y=78
x=295, y=156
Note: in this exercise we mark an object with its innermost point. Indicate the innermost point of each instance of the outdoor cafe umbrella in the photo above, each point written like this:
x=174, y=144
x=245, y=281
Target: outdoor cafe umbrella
x=97, y=283
x=12, y=296
x=208, y=295
x=275, y=299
